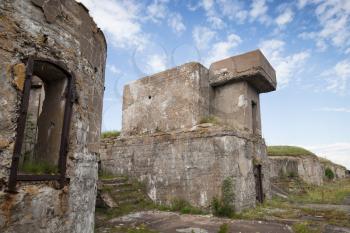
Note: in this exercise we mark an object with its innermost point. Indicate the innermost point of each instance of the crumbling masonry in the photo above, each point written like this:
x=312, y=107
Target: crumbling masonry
x=52, y=60
x=188, y=129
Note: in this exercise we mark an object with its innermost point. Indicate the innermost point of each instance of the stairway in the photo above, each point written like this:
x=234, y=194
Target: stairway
x=120, y=191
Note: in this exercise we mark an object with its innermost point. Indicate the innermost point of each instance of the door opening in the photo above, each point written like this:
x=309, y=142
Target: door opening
x=258, y=183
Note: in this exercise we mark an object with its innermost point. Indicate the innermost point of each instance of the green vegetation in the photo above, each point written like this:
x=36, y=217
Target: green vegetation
x=110, y=134
x=182, y=206
x=224, y=228
x=303, y=227
x=329, y=193
x=288, y=151
x=224, y=207
x=39, y=168
x=105, y=175
x=329, y=173
x=209, y=119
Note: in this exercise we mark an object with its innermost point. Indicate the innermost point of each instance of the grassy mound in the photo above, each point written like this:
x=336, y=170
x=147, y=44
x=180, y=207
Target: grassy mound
x=288, y=151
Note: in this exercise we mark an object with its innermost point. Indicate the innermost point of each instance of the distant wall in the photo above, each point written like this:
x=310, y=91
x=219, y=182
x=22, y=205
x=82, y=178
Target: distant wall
x=191, y=165
x=173, y=99
x=339, y=171
x=307, y=168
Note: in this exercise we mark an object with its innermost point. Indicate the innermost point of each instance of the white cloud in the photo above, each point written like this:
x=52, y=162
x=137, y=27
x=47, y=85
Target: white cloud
x=286, y=66
x=338, y=77
x=202, y=36
x=233, y=9
x=258, y=11
x=157, y=10
x=334, y=20
x=328, y=109
x=119, y=20
x=176, y=23
x=223, y=49
x=285, y=17
x=113, y=69
x=156, y=63
x=337, y=152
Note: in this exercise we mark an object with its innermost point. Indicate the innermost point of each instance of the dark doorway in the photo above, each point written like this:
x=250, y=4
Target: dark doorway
x=258, y=183
x=254, y=115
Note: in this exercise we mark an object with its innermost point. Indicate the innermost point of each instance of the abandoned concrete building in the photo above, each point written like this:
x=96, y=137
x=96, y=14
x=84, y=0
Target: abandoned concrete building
x=51, y=90
x=191, y=132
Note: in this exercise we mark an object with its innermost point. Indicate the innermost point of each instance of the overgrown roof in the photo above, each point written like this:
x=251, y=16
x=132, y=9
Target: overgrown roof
x=288, y=151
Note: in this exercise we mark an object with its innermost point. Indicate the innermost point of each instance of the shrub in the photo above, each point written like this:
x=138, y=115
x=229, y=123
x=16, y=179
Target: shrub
x=223, y=228
x=329, y=173
x=110, y=134
x=292, y=174
x=184, y=207
x=223, y=207
x=219, y=209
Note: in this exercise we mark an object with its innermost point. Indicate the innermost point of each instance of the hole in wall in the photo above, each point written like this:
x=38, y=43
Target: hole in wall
x=149, y=97
x=43, y=126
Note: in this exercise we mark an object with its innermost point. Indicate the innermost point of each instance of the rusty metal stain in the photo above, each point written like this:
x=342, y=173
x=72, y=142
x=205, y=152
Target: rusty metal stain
x=19, y=71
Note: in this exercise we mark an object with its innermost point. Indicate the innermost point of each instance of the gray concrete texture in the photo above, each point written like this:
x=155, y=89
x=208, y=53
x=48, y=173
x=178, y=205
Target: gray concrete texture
x=184, y=96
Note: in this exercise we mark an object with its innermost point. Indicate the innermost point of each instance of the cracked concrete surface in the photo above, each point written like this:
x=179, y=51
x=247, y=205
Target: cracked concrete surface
x=167, y=222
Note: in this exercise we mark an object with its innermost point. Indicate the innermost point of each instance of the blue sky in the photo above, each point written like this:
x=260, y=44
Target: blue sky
x=306, y=41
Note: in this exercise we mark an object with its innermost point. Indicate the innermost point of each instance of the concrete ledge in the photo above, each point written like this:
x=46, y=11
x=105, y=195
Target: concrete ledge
x=252, y=67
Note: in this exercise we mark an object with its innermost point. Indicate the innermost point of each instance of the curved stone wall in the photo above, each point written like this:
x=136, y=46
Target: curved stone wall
x=61, y=31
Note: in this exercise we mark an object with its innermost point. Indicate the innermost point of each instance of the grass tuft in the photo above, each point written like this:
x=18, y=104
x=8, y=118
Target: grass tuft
x=110, y=134
x=333, y=192
x=209, y=119
x=224, y=228
x=184, y=207
x=39, y=168
x=303, y=227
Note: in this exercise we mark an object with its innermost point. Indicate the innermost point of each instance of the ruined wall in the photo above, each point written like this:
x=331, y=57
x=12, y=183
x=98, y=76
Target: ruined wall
x=190, y=165
x=232, y=105
x=308, y=168
x=173, y=99
x=338, y=170
x=61, y=31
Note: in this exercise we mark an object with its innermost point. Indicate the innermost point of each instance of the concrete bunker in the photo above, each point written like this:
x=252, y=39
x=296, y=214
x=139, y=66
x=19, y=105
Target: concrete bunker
x=200, y=127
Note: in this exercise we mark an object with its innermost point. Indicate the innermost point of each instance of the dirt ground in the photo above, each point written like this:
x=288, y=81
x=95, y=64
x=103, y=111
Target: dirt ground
x=168, y=222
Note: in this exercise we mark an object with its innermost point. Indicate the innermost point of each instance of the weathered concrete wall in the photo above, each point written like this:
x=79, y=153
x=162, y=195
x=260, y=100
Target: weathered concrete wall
x=62, y=31
x=175, y=98
x=308, y=168
x=232, y=105
x=191, y=164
